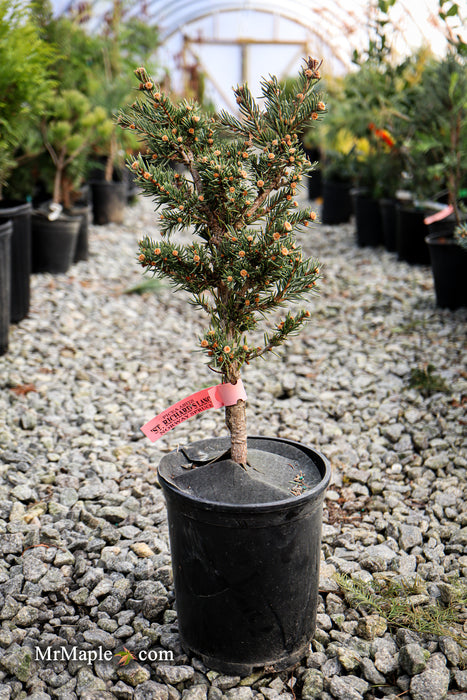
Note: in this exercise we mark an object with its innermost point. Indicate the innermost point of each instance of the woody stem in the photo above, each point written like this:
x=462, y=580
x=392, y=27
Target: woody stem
x=235, y=420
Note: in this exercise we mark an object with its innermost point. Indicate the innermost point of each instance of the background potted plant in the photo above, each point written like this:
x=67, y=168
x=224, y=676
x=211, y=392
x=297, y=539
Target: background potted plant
x=365, y=97
x=397, y=90
x=368, y=108
x=82, y=59
x=125, y=41
x=338, y=145
x=423, y=154
x=312, y=149
x=67, y=130
x=434, y=133
x=22, y=54
x=338, y=172
x=244, y=512
x=444, y=136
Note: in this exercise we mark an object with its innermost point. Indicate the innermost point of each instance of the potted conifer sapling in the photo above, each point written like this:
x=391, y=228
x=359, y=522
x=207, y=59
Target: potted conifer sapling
x=244, y=511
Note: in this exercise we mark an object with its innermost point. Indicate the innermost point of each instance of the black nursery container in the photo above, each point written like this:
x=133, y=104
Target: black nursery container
x=315, y=184
x=314, y=178
x=388, y=223
x=411, y=232
x=54, y=242
x=84, y=212
x=337, y=202
x=19, y=213
x=246, y=574
x=6, y=230
x=369, y=228
x=108, y=201
x=448, y=266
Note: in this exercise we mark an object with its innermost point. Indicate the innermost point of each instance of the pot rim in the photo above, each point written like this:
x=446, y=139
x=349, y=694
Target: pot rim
x=441, y=239
x=14, y=207
x=40, y=215
x=285, y=503
x=106, y=183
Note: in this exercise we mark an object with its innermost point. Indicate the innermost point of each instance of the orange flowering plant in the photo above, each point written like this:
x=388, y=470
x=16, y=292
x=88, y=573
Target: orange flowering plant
x=382, y=163
x=238, y=194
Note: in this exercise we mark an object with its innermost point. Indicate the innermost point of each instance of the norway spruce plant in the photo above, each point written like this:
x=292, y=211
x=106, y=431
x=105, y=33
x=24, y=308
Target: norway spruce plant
x=237, y=193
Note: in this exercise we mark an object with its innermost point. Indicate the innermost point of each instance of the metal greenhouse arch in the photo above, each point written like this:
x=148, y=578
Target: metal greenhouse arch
x=207, y=33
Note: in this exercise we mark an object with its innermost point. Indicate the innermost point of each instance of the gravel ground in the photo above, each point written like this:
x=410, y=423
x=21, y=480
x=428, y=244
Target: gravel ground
x=83, y=534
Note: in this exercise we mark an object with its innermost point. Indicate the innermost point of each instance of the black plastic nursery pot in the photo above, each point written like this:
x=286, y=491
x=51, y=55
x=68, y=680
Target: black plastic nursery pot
x=6, y=230
x=84, y=212
x=108, y=201
x=337, y=202
x=411, y=232
x=368, y=223
x=54, y=242
x=19, y=213
x=314, y=179
x=449, y=269
x=245, y=549
x=388, y=222
x=315, y=184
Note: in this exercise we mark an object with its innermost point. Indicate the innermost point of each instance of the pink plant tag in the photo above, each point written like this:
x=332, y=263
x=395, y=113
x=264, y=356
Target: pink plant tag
x=213, y=397
x=439, y=216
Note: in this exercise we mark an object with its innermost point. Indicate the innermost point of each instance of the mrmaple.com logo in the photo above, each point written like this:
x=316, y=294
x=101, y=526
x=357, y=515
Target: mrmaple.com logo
x=89, y=656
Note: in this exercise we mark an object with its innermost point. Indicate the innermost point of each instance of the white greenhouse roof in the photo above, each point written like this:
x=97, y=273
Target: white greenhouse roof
x=237, y=40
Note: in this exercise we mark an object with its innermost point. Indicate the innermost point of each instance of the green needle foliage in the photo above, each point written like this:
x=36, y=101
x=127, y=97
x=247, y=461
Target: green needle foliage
x=237, y=194
x=426, y=381
x=405, y=604
x=25, y=79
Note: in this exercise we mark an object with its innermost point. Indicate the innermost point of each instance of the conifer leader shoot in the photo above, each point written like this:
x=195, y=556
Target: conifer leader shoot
x=238, y=195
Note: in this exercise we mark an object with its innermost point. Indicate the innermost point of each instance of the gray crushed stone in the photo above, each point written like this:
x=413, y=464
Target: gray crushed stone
x=83, y=535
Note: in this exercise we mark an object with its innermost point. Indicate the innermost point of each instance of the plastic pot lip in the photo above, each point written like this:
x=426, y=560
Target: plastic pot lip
x=256, y=508
x=78, y=210
x=360, y=193
x=107, y=183
x=425, y=206
x=342, y=184
x=14, y=207
x=41, y=215
x=441, y=239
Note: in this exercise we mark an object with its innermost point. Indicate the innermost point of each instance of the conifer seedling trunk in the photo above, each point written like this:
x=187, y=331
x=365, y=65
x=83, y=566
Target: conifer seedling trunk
x=237, y=194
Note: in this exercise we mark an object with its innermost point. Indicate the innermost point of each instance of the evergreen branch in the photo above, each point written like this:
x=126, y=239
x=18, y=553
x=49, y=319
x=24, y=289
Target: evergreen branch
x=231, y=123
x=249, y=109
x=289, y=326
x=240, y=172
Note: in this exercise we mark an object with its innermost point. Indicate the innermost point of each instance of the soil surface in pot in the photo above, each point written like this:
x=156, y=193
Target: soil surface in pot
x=276, y=471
